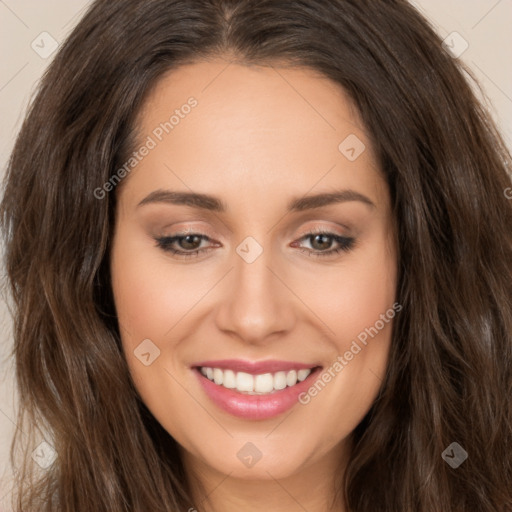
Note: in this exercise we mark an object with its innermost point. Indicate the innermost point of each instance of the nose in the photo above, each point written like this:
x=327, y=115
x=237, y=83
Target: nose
x=257, y=305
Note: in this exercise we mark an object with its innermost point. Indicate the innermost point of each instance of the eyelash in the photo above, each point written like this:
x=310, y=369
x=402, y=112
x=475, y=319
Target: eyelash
x=346, y=244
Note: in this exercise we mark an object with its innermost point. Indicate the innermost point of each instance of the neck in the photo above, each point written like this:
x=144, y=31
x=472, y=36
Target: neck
x=315, y=487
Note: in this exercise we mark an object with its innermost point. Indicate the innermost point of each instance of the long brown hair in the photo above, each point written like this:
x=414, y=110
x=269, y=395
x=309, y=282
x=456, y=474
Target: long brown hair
x=450, y=372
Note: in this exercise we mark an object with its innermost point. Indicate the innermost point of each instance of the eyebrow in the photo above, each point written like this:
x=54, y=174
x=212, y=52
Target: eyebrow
x=214, y=204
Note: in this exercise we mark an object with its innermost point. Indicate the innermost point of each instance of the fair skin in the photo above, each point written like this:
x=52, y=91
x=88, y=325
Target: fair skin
x=258, y=138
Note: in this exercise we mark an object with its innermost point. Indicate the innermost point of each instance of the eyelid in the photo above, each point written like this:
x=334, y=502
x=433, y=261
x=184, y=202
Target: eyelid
x=205, y=233
x=200, y=231
x=322, y=229
x=346, y=244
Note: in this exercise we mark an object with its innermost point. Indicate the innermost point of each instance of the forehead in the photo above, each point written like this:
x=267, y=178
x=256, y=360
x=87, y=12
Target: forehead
x=260, y=99
x=253, y=129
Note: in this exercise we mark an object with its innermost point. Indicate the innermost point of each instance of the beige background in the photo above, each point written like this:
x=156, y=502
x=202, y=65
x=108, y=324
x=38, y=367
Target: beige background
x=484, y=24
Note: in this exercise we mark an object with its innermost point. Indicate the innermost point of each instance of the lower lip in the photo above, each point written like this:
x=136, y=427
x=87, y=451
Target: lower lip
x=254, y=407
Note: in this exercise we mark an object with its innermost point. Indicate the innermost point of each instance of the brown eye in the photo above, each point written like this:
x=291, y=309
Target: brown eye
x=184, y=245
x=321, y=242
x=189, y=242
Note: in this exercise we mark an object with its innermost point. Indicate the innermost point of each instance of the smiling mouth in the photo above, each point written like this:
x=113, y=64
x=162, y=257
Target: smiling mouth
x=255, y=390
x=259, y=384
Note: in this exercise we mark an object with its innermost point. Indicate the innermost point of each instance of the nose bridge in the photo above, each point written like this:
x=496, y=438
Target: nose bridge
x=257, y=303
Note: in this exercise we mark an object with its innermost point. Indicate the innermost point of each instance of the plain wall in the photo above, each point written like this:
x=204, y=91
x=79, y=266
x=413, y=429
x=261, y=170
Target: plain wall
x=484, y=24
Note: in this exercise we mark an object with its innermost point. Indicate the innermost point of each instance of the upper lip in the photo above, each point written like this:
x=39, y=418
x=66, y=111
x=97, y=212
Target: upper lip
x=255, y=367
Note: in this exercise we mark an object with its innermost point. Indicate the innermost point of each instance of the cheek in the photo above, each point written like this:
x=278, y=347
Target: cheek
x=345, y=301
x=351, y=297
x=150, y=295
x=150, y=300
x=358, y=305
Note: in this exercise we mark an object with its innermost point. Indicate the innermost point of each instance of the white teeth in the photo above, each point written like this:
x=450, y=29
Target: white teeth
x=218, y=376
x=255, y=384
x=280, y=380
x=302, y=374
x=264, y=383
x=244, y=381
x=229, y=380
x=291, y=378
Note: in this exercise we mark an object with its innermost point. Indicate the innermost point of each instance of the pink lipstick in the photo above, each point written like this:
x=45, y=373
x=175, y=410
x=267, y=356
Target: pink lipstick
x=255, y=390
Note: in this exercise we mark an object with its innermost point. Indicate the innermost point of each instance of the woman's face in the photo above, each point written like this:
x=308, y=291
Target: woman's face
x=253, y=165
